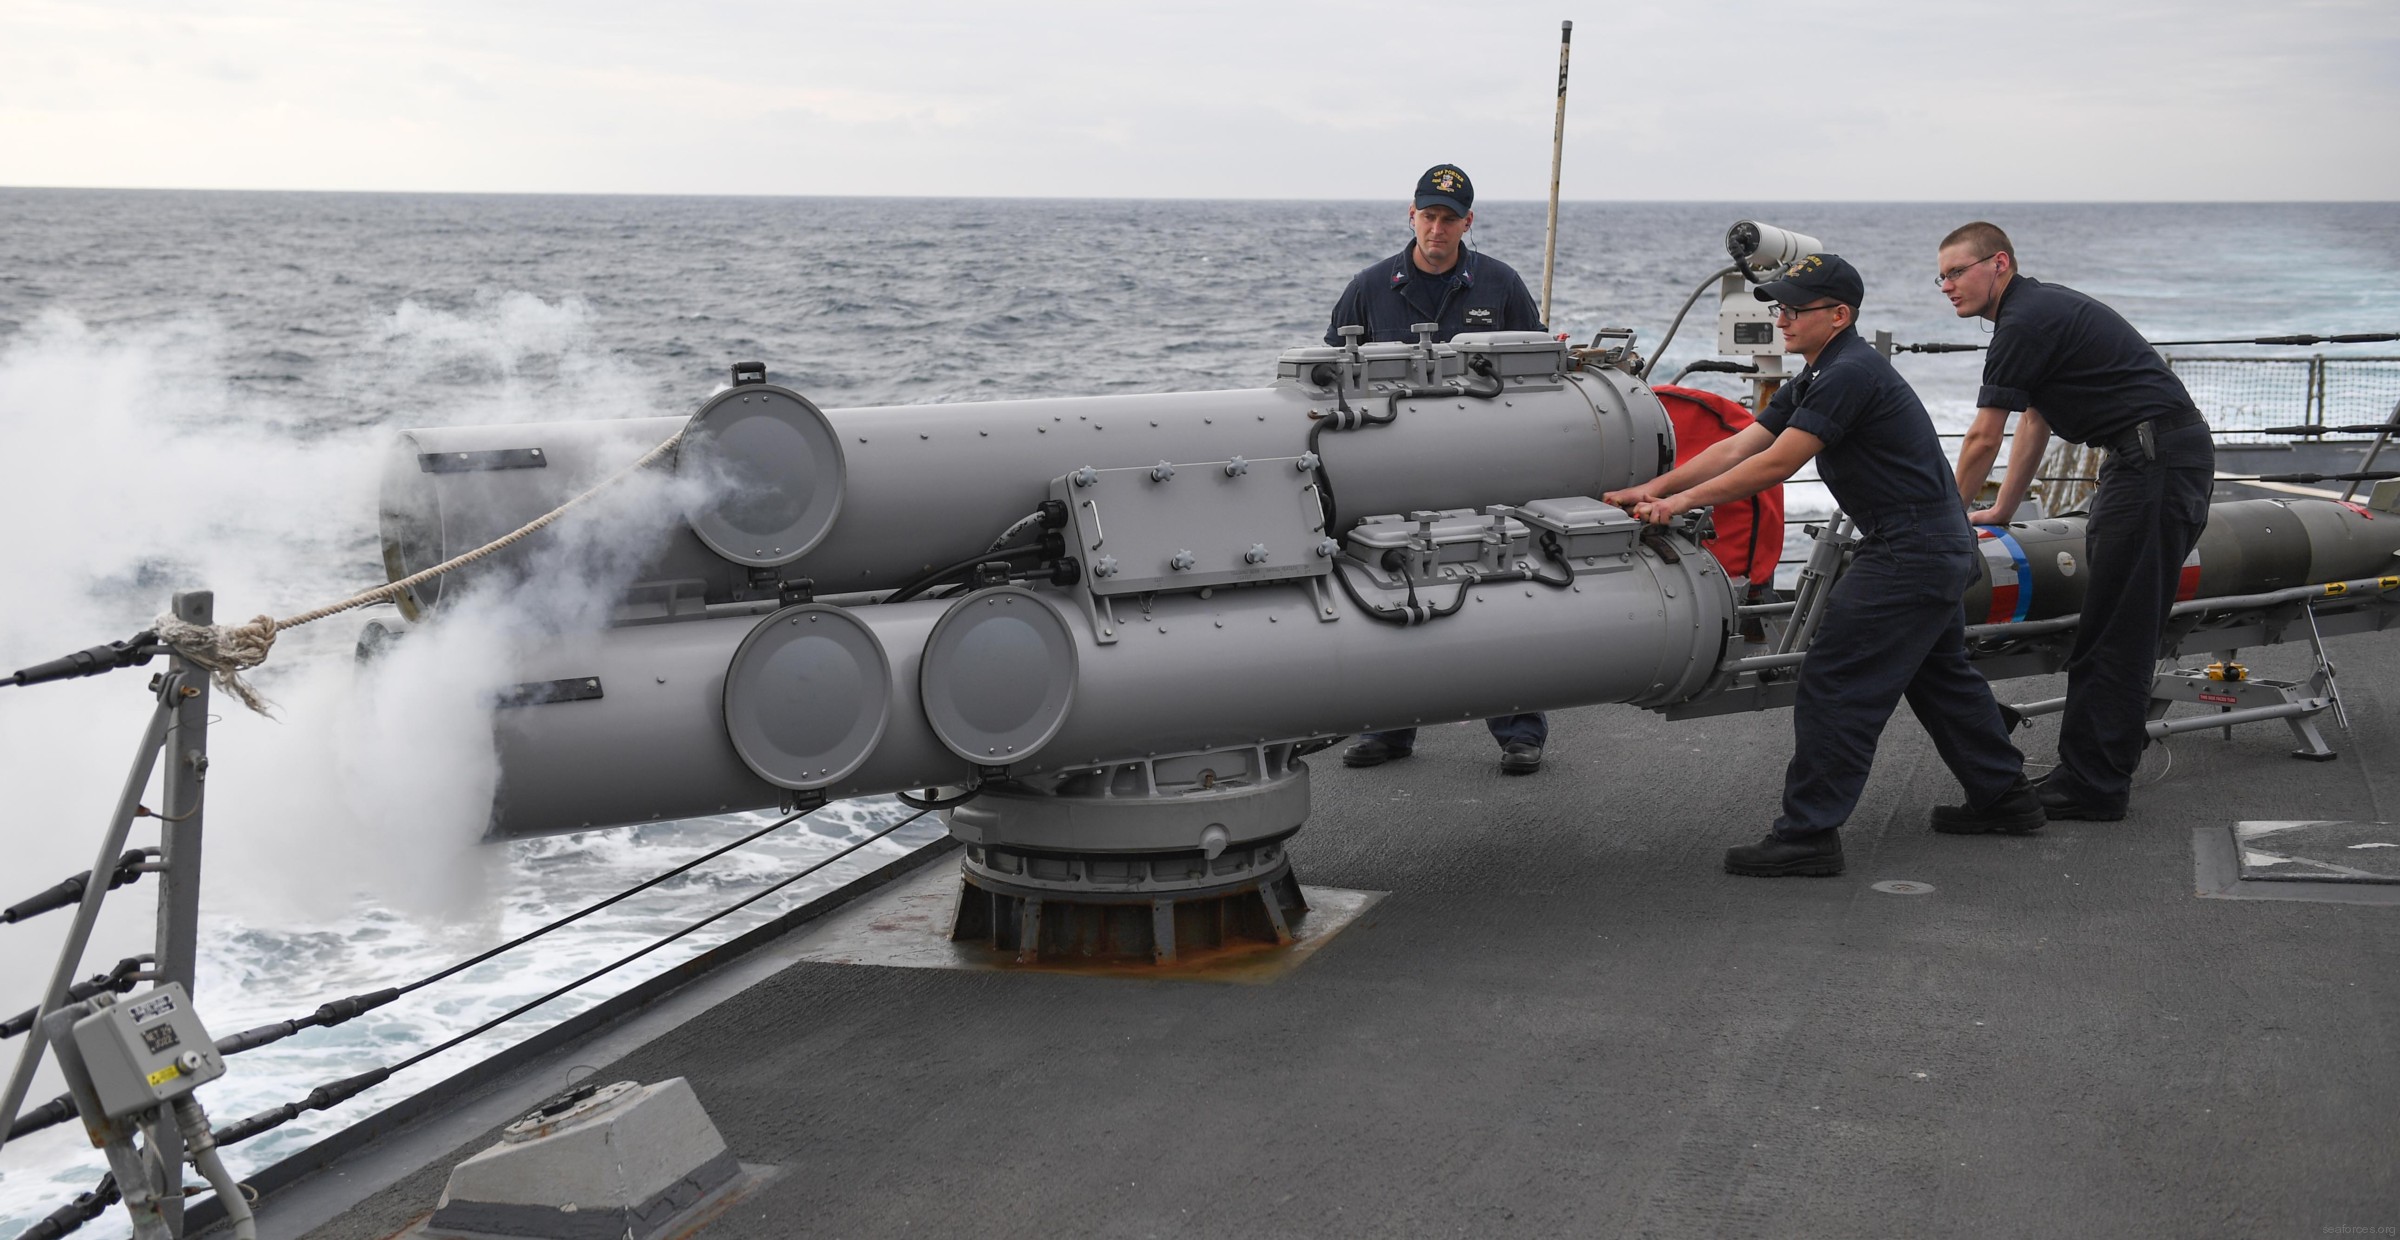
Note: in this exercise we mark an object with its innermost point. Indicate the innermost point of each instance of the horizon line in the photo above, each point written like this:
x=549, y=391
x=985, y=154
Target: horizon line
x=872, y=197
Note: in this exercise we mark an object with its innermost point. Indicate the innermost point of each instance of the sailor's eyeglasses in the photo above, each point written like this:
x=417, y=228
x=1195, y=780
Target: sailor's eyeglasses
x=1954, y=273
x=1792, y=313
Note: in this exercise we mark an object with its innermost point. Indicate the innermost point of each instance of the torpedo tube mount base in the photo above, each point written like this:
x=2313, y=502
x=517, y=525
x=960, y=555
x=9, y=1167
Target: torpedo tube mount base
x=1157, y=861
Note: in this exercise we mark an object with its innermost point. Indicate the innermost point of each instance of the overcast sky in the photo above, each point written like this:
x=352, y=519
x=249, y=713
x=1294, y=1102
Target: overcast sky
x=1819, y=100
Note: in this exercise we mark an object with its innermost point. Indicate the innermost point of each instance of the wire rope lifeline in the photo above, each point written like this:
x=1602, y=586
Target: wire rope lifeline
x=326, y=1096
x=334, y=1012
x=225, y=651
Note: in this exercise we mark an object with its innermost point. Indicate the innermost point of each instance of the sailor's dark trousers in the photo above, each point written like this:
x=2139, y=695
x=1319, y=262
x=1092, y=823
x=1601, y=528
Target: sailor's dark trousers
x=1893, y=628
x=2145, y=518
x=1533, y=729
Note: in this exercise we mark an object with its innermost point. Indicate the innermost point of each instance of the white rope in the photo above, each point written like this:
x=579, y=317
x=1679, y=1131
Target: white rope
x=228, y=650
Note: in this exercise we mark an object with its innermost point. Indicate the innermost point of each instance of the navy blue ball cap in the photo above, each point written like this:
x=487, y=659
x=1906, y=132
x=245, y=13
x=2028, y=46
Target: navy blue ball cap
x=1815, y=276
x=1445, y=185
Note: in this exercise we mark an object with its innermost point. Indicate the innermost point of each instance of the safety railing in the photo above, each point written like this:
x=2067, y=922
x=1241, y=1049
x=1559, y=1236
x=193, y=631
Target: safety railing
x=2243, y=396
x=177, y=731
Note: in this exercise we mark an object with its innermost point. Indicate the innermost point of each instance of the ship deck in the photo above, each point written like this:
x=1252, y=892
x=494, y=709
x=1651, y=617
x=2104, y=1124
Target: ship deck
x=1563, y=1018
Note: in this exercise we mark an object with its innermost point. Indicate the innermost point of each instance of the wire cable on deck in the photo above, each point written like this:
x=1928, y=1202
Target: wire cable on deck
x=343, y=1009
x=62, y=1108
x=2345, y=338
x=134, y=651
x=2365, y=475
x=48, y=1115
x=2355, y=428
x=1661, y=350
x=70, y=890
x=338, y=1091
x=83, y=1209
x=125, y=976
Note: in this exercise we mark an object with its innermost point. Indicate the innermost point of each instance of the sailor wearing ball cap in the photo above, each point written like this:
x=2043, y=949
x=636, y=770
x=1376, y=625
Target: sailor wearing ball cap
x=1437, y=279
x=1892, y=626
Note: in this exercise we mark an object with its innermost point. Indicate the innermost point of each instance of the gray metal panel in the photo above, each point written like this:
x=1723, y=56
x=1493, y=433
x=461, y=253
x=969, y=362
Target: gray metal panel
x=1194, y=524
x=1530, y=357
x=999, y=675
x=1586, y=527
x=775, y=465
x=807, y=696
x=1319, y=368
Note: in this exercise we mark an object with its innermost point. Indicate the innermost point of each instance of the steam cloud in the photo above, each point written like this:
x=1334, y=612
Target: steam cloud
x=143, y=468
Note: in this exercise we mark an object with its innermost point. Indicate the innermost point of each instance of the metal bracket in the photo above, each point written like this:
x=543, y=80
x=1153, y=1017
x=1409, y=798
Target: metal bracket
x=2324, y=674
x=2237, y=702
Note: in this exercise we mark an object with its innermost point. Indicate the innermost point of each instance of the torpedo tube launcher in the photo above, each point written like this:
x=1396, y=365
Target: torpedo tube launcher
x=1119, y=621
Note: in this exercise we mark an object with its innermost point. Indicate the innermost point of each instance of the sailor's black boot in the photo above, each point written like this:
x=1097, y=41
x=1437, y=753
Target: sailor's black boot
x=1373, y=751
x=2018, y=811
x=1520, y=758
x=2059, y=801
x=1814, y=856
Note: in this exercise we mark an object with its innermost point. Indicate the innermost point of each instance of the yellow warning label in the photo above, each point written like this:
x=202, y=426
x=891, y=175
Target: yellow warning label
x=2388, y=583
x=2337, y=587
x=164, y=1075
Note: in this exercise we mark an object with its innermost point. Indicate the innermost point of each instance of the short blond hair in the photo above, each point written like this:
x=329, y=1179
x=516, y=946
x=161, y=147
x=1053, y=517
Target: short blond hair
x=1984, y=236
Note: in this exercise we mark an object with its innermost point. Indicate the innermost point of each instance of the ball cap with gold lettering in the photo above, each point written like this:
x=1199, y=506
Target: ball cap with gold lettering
x=1815, y=276
x=1445, y=185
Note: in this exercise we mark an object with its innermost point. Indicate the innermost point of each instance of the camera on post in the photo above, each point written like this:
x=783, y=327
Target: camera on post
x=1763, y=249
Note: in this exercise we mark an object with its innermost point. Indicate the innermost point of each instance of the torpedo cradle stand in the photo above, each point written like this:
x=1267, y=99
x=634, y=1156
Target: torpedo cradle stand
x=1147, y=857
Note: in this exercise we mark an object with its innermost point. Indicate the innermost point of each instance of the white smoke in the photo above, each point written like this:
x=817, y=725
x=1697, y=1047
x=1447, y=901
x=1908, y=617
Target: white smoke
x=141, y=468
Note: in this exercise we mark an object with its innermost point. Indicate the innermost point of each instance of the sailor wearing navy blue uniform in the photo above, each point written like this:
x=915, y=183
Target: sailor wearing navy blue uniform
x=1892, y=626
x=2075, y=367
x=1437, y=279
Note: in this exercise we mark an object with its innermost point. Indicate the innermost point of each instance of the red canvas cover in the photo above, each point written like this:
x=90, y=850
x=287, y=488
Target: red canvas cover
x=1749, y=532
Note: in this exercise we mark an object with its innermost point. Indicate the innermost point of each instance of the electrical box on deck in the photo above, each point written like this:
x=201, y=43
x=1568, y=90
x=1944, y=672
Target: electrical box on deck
x=145, y=1050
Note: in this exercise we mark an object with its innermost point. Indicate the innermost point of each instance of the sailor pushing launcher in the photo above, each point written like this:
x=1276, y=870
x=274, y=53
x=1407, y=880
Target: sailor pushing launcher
x=1892, y=627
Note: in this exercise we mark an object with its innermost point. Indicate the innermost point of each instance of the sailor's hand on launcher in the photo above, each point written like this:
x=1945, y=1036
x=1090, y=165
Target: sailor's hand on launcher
x=1631, y=497
x=1661, y=510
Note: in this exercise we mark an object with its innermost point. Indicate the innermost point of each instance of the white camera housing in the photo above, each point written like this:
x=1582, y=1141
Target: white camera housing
x=1764, y=247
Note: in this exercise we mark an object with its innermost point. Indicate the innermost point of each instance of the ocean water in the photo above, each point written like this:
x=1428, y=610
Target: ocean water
x=194, y=388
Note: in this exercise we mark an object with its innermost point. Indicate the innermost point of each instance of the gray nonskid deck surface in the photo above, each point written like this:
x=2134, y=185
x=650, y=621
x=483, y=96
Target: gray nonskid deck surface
x=1565, y=1020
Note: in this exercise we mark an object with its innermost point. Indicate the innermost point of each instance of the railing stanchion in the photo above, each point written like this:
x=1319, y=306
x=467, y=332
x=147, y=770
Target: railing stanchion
x=112, y=845
x=182, y=802
x=2389, y=425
